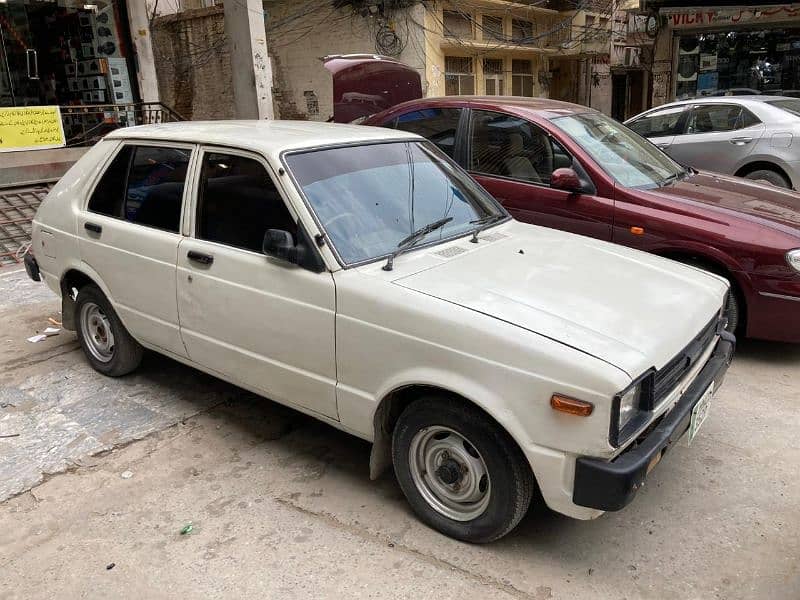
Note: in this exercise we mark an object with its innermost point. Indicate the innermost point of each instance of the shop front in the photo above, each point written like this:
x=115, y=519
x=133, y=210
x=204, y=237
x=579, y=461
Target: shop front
x=67, y=53
x=725, y=50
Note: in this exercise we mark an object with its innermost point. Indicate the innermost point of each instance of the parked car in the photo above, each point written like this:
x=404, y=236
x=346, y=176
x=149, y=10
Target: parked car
x=747, y=136
x=359, y=275
x=571, y=168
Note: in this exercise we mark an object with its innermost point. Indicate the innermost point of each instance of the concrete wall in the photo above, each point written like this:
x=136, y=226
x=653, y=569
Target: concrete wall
x=193, y=63
x=302, y=87
x=32, y=166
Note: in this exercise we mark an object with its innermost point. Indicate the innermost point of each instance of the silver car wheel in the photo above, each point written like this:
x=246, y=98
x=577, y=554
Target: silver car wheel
x=97, y=333
x=449, y=473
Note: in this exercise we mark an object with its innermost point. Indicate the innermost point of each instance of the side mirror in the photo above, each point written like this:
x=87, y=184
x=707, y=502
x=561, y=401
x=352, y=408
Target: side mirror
x=566, y=179
x=279, y=244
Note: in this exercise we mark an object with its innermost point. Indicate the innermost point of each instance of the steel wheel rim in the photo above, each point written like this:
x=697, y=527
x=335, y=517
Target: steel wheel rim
x=437, y=455
x=97, y=332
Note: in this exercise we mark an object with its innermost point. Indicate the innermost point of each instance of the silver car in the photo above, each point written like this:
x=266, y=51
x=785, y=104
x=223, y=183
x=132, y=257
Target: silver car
x=748, y=136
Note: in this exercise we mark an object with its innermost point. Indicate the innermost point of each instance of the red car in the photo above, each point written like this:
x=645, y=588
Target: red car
x=570, y=167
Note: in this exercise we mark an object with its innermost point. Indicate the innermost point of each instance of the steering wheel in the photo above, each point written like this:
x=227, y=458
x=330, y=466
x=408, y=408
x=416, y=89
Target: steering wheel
x=335, y=218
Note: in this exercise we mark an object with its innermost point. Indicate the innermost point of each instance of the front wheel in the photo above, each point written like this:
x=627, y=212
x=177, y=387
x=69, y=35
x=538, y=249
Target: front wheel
x=108, y=346
x=770, y=176
x=461, y=473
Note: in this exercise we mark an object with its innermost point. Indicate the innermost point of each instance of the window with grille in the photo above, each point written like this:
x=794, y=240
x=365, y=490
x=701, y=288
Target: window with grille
x=456, y=24
x=493, y=76
x=459, y=76
x=492, y=28
x=522, y=31
x=522, y=77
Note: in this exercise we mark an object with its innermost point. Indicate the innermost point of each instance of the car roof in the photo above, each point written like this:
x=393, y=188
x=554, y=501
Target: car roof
x=542, y=106
x=745, y=99
x=267, y=136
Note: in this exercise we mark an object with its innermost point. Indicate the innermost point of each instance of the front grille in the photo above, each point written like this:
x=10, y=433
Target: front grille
x=668, y=376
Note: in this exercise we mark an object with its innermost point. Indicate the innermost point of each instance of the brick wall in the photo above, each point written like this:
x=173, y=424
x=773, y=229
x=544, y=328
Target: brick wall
x=193, y=63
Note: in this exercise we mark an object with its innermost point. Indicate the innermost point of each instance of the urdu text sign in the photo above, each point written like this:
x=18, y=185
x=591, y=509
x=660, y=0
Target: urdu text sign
x=31, y=128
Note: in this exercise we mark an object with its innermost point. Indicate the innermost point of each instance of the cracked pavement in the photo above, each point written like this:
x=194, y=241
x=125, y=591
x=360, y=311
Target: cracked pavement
x=282, y=506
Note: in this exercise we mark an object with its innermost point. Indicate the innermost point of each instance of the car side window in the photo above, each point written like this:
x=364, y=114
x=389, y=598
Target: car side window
x=155, y=186
x=238, y=202
x=713, y=118
x=144, y=185
x=439, y=125
x=512, y=147
x=109, y=193
x=659, y=123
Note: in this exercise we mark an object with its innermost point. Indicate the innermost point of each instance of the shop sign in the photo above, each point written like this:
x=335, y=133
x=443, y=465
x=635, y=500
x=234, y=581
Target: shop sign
x=683, y=18
x=31, y=128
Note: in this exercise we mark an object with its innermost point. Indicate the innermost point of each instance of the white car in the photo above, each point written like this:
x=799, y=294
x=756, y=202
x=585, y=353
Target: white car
x=360, y=276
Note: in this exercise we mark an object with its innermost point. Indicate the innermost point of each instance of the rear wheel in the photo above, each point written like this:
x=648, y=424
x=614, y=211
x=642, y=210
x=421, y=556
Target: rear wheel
x=769, y=176
x=108, y=346
x=461, y=473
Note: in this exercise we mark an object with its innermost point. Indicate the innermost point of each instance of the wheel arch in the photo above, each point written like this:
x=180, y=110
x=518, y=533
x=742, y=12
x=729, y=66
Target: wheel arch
x=715, y=264
x=75, y=277
x=756, y=165
x=392, y=405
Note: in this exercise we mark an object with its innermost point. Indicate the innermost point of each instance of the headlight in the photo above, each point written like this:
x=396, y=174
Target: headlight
x=628, y=406
x=793, y=258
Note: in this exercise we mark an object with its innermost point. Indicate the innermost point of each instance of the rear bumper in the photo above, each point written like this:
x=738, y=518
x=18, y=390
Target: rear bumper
x=612, y=485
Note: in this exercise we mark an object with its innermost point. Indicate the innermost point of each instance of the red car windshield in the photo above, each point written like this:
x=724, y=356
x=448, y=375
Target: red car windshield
x=626, y=156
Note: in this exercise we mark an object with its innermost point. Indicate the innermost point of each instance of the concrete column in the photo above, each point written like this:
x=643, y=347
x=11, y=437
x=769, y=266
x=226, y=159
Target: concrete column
x=251, y=69
x=139, y=22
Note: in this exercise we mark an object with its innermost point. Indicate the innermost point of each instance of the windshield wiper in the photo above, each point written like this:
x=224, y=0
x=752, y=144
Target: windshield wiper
x=410, y=241
x=674, y=177
x=482, y=224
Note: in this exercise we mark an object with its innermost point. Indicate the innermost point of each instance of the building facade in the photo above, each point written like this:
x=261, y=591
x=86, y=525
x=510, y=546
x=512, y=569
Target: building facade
x=722, y=49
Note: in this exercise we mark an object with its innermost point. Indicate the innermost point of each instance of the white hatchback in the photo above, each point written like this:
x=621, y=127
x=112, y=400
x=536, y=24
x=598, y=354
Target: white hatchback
x=358, y=275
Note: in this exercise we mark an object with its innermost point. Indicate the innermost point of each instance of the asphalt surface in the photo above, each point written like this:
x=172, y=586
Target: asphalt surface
x=100, y=472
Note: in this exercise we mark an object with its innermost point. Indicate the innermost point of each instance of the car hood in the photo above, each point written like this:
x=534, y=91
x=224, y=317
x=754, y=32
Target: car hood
x=627, y=308
x=766, y=203
x=366, y=84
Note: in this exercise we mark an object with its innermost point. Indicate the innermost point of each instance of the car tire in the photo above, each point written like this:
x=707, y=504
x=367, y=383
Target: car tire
x=108, y=346
x=482, y=485
x=769, y=176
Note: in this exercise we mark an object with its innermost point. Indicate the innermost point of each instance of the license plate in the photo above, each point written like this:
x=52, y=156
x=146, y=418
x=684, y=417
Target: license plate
x=700, y=412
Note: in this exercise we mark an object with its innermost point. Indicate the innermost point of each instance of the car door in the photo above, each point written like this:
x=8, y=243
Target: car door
x=514, y=159
x=265, y=324
x=661, y=125
x=129, y=234
x=717, y=137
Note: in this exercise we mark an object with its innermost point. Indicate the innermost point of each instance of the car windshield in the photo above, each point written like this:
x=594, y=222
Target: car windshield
x=369, y=198
x=790, y=105
x=626, y=156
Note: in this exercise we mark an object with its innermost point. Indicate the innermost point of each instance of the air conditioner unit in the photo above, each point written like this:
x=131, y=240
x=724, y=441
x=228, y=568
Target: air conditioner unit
x=630, y=56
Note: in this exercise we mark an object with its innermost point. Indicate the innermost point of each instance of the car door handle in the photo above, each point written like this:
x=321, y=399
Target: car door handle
x=741, y=141
x=203, y=259
x=93, y=227
x=662, y=146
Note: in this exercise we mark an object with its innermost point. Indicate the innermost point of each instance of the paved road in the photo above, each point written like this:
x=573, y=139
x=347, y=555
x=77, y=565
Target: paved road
x=282, y=506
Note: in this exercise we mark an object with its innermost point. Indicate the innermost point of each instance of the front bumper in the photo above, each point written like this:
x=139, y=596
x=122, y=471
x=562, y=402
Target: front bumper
x=612, y=485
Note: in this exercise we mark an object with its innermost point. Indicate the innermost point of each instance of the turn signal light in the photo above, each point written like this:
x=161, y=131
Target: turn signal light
x=637, y=230
x=571, y=406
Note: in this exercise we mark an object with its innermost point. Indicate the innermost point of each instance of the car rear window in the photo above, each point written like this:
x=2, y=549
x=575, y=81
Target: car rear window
x=144, y=185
